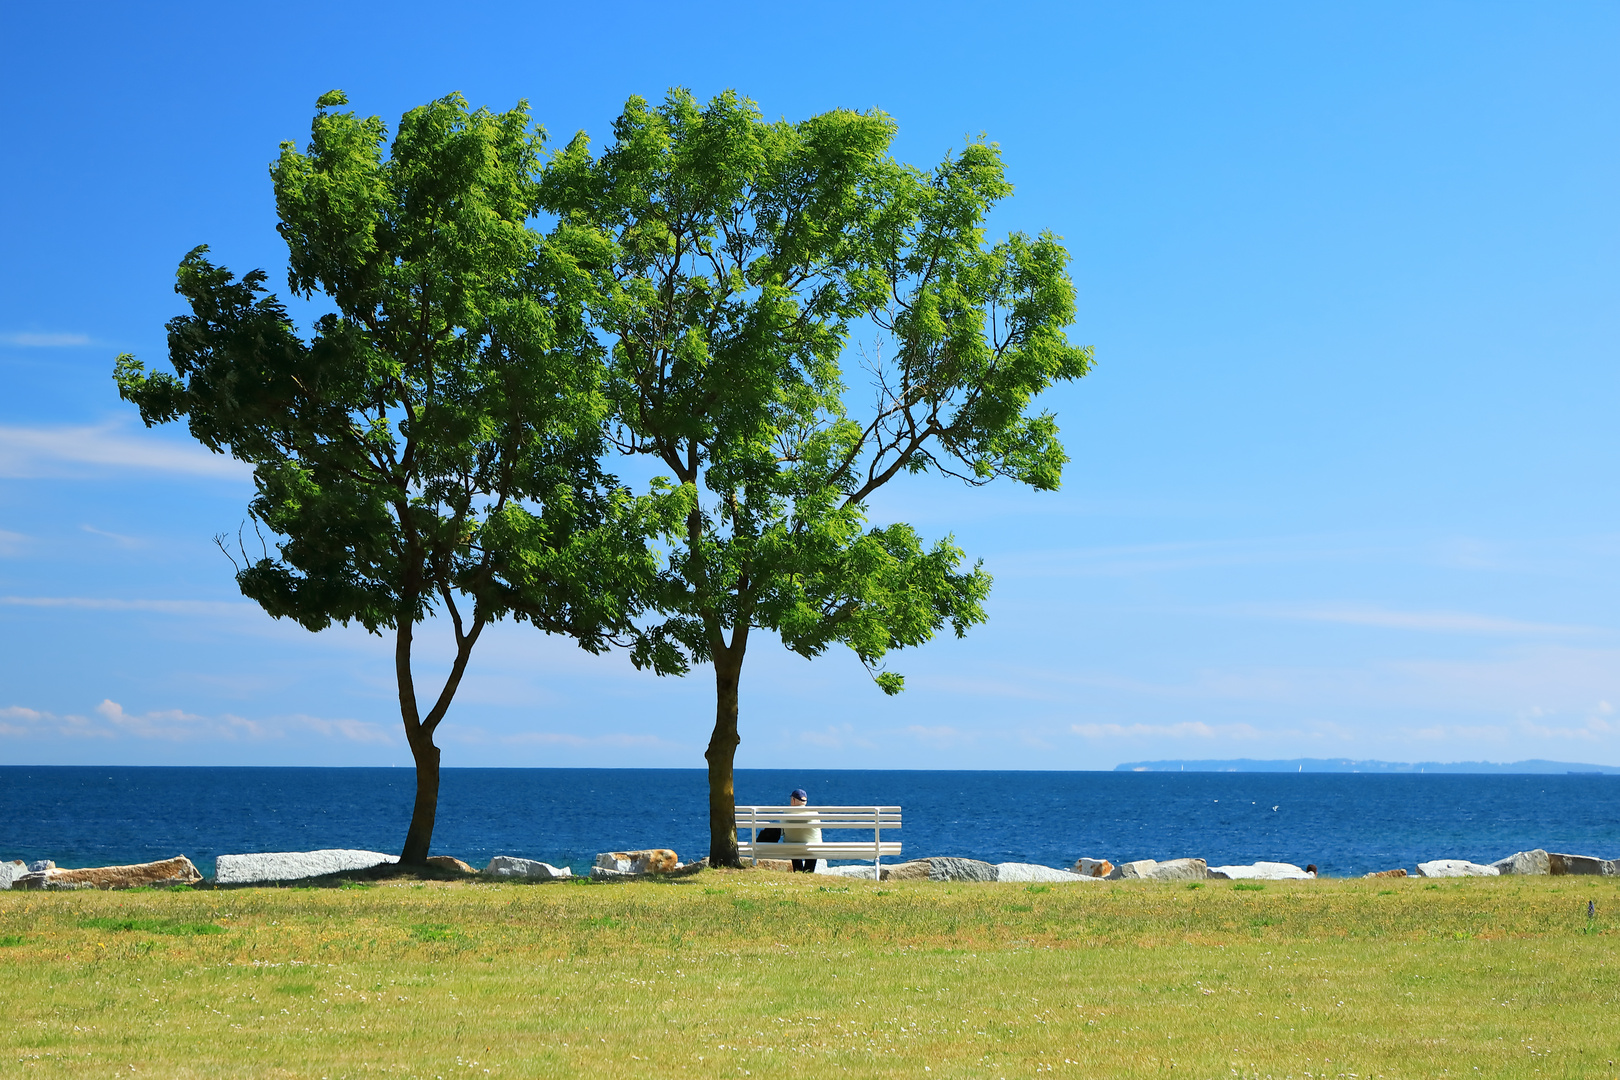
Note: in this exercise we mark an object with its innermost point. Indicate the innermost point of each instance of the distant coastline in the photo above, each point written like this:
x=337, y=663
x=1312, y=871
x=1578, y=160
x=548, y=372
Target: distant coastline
x=1347, y=765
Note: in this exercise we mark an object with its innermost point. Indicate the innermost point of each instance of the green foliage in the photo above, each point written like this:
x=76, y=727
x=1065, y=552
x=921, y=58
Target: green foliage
x=1247, y=886
x=432, y=446
x=741, y=256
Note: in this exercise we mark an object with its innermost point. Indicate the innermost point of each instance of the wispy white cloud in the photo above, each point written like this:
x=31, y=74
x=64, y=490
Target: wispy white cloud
x=1453, y=622
x=175, y=725
x=1191, y=729
x=1174, y=556
x=359, y=731
x=203, y=608
x=120, y=539
x=111, y=721
x=33, y=452
x=11, y=543
x=563, y=738
x=19, y=722
x=35, y=340
x=941, y=736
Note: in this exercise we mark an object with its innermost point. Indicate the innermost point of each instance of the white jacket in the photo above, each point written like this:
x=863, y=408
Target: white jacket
x=792, y=835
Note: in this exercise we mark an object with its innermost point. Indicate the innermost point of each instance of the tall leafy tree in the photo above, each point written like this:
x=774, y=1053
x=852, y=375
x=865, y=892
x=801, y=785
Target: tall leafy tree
x=743, y=254
x=432, y=447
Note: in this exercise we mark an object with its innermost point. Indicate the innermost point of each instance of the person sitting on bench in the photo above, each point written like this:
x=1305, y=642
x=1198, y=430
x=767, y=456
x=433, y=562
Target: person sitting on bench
x=808, y=835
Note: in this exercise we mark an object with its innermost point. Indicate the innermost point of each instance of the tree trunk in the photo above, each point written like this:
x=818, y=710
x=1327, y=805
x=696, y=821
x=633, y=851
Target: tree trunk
x=420, y=834
x=721, y=754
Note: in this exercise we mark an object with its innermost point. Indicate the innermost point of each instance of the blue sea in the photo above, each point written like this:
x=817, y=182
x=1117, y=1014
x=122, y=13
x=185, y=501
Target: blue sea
x=1346, y=824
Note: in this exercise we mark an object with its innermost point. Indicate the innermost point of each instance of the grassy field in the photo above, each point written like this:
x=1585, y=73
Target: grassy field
x=762, y=974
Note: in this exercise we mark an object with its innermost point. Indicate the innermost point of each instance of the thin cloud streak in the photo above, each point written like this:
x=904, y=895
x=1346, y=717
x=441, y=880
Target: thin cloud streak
x=111, y=721
x=28, y=453
x=1450, y=622
x=202, y=608
x=29, y=340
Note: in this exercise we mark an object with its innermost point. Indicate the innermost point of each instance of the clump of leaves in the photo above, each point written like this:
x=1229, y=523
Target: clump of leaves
x=10, y=939
x=1247, y=886
x=434, y=932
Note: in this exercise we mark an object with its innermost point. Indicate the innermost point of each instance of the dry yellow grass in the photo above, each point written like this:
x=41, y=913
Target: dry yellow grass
x=760, y=974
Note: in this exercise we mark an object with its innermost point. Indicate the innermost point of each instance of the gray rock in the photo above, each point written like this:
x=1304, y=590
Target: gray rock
x=1023, y=871
x=1260, y=871
x=1130, y=871
x=510, y=866
x=1534, y=861
x=294, y=865
x=1093, y=868
x=1454, y=868
x=40, y=864
x=867, y=872
x=953, y=869
x=1180, y=870
x=11, y=871
x=1573, y=864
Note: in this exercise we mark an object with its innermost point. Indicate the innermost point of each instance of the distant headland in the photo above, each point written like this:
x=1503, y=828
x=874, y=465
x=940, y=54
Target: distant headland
x=1346, y=765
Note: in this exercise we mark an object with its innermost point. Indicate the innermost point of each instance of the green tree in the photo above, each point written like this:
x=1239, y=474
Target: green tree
x=744, y=254
x=432, y=448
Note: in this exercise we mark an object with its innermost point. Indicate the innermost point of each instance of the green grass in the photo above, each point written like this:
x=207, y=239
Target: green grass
x=177, y=927
x=763, y=974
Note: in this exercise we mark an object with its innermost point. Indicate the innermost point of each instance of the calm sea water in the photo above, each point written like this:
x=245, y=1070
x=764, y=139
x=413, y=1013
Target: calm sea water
x=1346, y=824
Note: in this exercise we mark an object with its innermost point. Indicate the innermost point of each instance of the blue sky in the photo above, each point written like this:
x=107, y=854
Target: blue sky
x=1343, y=482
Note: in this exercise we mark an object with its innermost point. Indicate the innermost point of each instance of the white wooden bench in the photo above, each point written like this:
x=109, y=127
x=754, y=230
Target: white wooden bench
x=879, y=819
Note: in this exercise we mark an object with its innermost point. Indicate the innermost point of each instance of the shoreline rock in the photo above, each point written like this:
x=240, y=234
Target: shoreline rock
x=449, y=863
x=1438, y=868
x=1535, y=861
x=645, y=861
x=272, y=866
x=1576, y=864
x=1018, y=871
x=510, y=866
x=1261, y=871
x=176, y=871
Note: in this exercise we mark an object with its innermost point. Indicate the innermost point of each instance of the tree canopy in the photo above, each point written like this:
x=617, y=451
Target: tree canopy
x=741, y=255
x=433, y=445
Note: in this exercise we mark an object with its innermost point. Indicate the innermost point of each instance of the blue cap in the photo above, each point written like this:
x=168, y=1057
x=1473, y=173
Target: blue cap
x=798, y=793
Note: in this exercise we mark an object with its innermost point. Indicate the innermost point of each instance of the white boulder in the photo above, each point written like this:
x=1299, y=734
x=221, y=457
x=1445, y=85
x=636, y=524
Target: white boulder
x=1260, y=871
x=11, y=871
x=294, y=865
x=867, y=872
x=1454, y=868
x=1534, y=861
x=510, y=866
x=1093, y=868
x=1023, y=871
